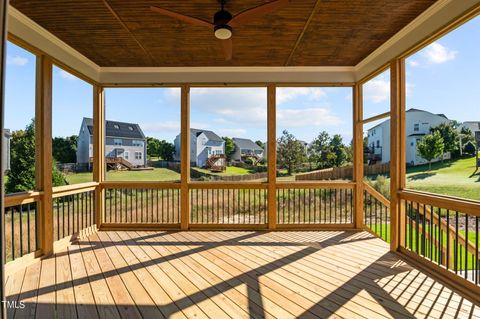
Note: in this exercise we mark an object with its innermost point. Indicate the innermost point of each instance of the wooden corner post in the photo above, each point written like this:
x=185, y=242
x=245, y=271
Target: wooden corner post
x=358, y=154
x=185, y=157
x=272, y=156
x=43, y=152
x=99, y=151
x=397, y=151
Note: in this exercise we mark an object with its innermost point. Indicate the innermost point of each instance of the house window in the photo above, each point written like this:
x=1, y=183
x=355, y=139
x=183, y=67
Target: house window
x=117, y=141
x=137, y=143
x=378, y=143
x=130, y=128
x=125, y=155
x=416, y=127
x=138, y=155
x=116, y=126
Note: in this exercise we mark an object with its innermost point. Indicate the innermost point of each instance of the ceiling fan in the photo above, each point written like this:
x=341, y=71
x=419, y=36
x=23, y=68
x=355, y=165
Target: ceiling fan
x=224, y=22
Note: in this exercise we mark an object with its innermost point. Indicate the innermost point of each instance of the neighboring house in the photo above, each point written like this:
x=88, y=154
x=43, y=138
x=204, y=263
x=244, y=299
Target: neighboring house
x=6, y=149
x=245, y=148
x=417, y=124
x=125, y=140
x=472, y=125
x=203, y=144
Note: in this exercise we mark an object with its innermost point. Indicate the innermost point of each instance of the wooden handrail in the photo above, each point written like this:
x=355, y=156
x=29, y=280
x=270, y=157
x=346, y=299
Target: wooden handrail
x=145, y=184
x=227, y=185
x=315, y=184
x=470, y=207
x=22, y=198
x=376, y=194
x=73, y=189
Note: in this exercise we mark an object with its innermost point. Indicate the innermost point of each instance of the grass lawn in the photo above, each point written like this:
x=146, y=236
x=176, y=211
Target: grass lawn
x=450, y=178
x=383, y=231
x=157, y=174
x=230, y=171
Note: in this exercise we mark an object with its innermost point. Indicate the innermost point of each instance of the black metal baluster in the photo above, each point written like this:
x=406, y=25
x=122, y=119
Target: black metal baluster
x=456, y=243
x=465, y=271
x=13, y=232
x=431, y=231
x=21, y=230
x=28, y=228
x=448, y=234
x=477, y=260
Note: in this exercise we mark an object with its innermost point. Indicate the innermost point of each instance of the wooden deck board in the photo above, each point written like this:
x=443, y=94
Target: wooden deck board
x=236, y=274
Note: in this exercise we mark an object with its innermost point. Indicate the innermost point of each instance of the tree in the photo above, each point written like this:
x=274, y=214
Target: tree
x=449, y=134
x=153, y=145
x=229, y=147
x=64, y=149
x=290, y=152
x=469, y=148
x=166, y=150
x=261, y=144
x=430, y=147
x=338, y=155
x=319, y=150
x=21, y=176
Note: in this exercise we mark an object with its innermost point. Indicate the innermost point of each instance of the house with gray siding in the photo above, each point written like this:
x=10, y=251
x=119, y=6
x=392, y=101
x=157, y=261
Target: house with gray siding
x=203, y=145
x=244, y=148
x=125, y=140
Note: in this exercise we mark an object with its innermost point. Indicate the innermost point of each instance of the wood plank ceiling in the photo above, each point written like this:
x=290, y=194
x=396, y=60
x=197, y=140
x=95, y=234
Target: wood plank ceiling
x=125, y=33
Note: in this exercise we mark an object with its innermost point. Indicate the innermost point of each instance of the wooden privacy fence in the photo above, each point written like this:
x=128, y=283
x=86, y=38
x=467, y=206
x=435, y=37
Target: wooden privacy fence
x=344, y=172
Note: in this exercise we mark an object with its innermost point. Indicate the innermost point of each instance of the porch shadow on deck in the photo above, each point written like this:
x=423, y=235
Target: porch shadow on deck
x=133, y=274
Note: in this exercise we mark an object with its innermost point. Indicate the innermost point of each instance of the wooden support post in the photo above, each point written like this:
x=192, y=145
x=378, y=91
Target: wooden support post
x=99, y=151
x=43, y=150
x=3, y=44
x=185, y=157
x=397, y=152
x=272, y=156
x=358, y=154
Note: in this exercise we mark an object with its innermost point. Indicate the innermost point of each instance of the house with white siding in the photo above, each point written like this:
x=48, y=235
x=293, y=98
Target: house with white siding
x=122, y=140
x=417, y=124
x=203, y=145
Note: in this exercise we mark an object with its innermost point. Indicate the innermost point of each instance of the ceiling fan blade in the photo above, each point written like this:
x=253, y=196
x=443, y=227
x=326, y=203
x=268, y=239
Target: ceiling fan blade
x=182, y=17
x=253, y=13
x=227, y=46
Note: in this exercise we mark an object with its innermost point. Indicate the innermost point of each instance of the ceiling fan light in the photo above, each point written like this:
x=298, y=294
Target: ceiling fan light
x=223, y=32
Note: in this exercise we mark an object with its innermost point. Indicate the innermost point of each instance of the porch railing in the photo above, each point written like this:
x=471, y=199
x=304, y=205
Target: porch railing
x=443, y=231
x=228, y=204
x=21, y=229
x=141, y=203
x=376, y=212
x=312, y=203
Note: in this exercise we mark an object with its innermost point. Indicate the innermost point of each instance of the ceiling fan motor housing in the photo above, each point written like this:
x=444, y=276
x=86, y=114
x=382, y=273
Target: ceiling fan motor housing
x=222, y=30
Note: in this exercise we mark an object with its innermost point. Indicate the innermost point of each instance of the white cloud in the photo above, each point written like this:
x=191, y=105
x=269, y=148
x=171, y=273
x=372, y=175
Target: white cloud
x=161, y=126
x=307, y=117
x=437, y=53
x=233, y=132
x=409, y=88
x=65, y=75
x=16, y=60
x=242, y=106
x=288, y=94
x=377, y=90
x=413, y=63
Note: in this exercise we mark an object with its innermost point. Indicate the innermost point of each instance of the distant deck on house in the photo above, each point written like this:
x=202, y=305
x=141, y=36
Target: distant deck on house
x=220, y=274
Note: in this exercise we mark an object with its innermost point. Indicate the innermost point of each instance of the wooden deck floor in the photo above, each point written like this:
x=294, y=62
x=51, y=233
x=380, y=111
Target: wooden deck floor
x=230, y=275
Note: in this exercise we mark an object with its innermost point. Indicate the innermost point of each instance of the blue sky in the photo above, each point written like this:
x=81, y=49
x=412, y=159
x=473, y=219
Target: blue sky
x=441, y=78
